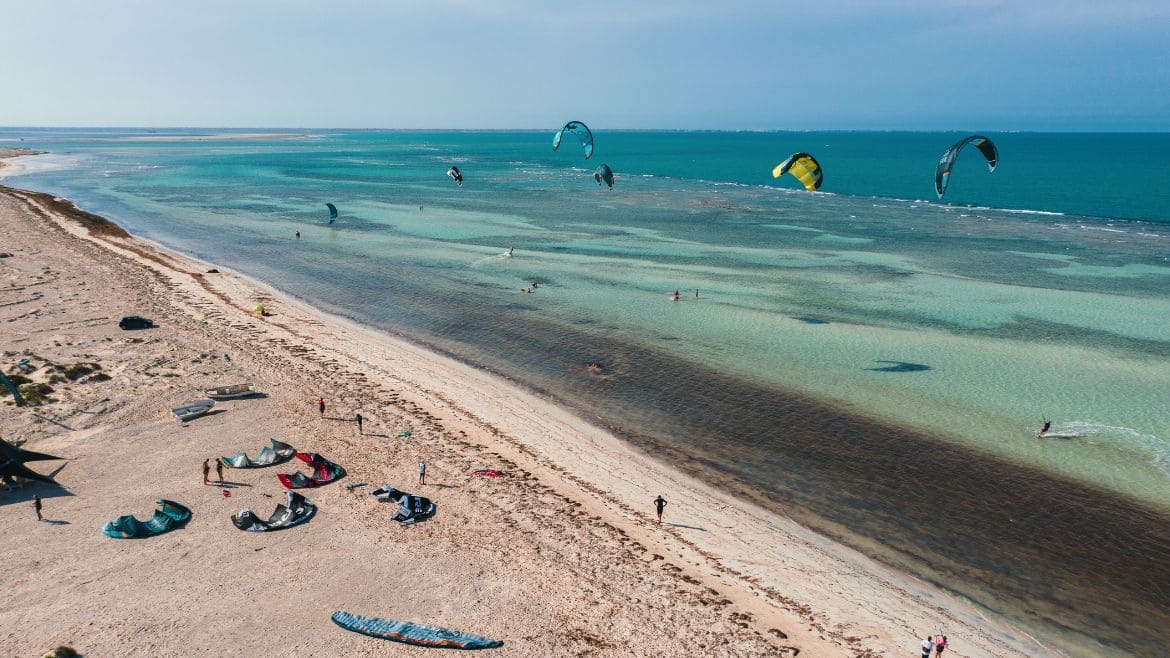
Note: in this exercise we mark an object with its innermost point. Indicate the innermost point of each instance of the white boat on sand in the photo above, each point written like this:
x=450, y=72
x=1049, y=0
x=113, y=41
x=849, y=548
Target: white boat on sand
x=191, y=410
x=232, y=391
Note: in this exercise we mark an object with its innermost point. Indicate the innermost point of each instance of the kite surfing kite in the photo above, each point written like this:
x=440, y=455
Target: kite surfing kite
x=604, y=174
x=332, y=212
x=582, y=133
x=804, y=168
x=12, y=461
x=456, y=175
x=12, y=389
x=942, y=173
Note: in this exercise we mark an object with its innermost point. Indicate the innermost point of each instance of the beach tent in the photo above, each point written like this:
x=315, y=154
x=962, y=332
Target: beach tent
x=410, y=508
x=411, y=633
x=296, y=510
x=324, y=472
x=167, y=517
x=277, y=453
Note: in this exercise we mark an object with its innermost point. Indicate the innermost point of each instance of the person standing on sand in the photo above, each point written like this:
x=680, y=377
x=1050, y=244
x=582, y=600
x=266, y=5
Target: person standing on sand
x=321, y=405
x=659, y=504
x=422, y=473
x=37, y=506
x=927, y=646
x=219, y=469
x=940, y=643
x=359, y=422
x=206, y=470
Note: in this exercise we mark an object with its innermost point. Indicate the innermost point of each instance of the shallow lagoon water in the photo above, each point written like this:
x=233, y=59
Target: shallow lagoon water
x=872, y=365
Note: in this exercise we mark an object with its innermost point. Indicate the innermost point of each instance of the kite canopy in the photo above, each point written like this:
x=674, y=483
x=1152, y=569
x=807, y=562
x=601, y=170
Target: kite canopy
x=276, y=454
x=324, y=472
x=12, y=462
x=804, y=168
x=332, y=212
x=604, y=174
x=167, y=517
x=456, y=175
x=12, y=389
x=581, y=131
x=410, y=508
x=942, y=172
x=296, y=511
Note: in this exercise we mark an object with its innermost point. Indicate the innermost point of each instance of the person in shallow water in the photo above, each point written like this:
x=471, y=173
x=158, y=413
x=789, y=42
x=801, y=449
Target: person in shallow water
x=675, y=296
x=1044, y=429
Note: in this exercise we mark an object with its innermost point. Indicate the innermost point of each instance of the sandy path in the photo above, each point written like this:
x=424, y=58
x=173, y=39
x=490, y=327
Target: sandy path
x=561, y=558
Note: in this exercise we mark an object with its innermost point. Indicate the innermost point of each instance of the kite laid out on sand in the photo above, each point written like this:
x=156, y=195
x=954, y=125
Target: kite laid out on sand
x=412, y=633
x=12, y=461
x=942, y=171
x=324, y=472
x=277, y=453
x=167, y=517
x=410, y=508
x=296, y=510
x=804, y=168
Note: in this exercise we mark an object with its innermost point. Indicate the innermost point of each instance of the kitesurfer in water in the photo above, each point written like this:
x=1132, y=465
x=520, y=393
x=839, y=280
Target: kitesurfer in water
x=675, y=296
x=510, y=251
x=298, y=235
x=1044, y=429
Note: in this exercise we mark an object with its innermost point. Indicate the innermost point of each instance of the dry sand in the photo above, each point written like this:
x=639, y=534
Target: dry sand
x=560, y=558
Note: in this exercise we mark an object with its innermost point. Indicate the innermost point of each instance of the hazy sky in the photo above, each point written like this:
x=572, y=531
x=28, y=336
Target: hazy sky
x=772, y=64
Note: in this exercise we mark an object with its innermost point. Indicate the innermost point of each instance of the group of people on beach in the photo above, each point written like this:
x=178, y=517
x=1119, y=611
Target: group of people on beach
x=934, y=643
x=218, y=469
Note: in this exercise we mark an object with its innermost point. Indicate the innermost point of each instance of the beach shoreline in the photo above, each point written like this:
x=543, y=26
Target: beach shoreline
x=825, y=598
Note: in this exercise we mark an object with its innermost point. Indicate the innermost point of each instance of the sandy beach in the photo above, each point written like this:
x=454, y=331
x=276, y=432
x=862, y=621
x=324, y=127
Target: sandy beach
x=561, y=557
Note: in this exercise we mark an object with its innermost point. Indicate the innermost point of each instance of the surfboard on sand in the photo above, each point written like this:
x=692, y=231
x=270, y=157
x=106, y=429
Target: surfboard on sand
x=412, y=633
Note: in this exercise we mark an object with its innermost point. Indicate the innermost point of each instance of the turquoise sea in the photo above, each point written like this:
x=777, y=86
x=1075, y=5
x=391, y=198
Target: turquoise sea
x=866, y=359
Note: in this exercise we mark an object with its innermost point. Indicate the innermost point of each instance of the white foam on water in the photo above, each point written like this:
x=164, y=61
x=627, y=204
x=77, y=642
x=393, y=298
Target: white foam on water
x=1124, y=437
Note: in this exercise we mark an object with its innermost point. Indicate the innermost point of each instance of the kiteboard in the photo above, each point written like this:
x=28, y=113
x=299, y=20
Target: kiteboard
x=412, y=633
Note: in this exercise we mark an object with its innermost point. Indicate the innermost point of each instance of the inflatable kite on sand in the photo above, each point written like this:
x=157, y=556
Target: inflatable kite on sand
x=167, y=517
x=324, y=472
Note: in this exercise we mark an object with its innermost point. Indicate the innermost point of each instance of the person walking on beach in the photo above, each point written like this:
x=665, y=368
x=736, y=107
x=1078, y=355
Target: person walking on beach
x=359, y=422
x=659, y=504
x=206, y=470
x=37, y=506
x=927, y=646
x=940, y=644
x=219, y=469
x=321, y=405
x=422, y=473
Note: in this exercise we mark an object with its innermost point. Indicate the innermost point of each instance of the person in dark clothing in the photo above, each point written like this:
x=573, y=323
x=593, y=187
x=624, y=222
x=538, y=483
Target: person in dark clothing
x=1044, y=430
x=206, y=470
x=219, y=469
x=659, y=504
x=37, y=507
x=359, y=422
x=321, y=405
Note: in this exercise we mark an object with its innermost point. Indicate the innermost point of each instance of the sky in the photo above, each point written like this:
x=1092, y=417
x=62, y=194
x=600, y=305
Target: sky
x=1048, y=65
